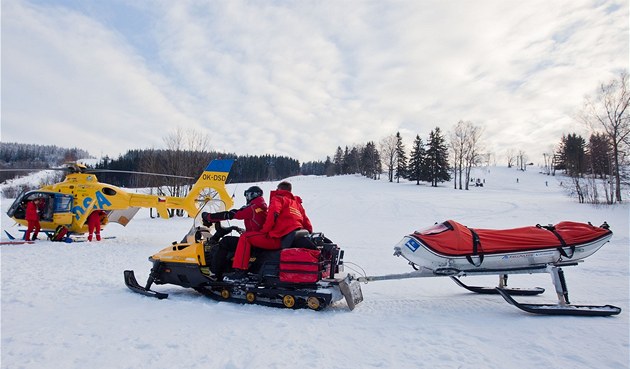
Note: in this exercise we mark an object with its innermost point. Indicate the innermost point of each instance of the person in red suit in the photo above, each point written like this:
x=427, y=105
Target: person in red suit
x=253, y=214
x=94, y=224
x=32, y=217
x=285, y=215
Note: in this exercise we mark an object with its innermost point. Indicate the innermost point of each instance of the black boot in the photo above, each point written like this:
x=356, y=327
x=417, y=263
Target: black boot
x=237, y=276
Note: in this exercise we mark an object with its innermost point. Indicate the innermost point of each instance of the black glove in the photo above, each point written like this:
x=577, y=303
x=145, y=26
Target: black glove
x=205, y=219
x=222, y=215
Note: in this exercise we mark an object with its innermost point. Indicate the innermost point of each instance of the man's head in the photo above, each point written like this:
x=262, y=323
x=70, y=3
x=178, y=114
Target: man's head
x=284, y=185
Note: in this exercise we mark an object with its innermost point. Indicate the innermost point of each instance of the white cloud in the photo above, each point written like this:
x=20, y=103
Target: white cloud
x=301, y=78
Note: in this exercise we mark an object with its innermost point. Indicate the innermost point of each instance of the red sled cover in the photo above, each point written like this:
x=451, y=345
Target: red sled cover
x=455, y=239
x=299, y=265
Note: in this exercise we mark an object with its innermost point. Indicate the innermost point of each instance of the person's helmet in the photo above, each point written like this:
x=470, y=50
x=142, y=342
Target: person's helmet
x=252, y=193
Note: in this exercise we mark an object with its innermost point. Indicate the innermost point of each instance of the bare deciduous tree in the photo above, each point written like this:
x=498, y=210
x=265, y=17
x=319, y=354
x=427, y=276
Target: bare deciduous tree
x=180, y=158
x=521, y=160
x=608, y=110
x=388, y=154
x=510, y=156
x=456, y=143
x=466, y=148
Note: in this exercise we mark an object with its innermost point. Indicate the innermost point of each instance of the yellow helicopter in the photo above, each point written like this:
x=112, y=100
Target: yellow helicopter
x=69, y=203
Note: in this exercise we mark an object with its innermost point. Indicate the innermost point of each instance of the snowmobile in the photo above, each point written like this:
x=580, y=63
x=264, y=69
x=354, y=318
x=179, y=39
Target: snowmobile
x=454, y=250
x=305, y=273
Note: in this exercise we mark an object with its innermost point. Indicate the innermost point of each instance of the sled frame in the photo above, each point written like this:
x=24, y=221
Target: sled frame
x=563, y=307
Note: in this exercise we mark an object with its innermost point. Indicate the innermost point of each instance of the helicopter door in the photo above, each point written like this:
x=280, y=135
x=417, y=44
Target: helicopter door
x=18, y=208
x=62, y=213
x=122, y=216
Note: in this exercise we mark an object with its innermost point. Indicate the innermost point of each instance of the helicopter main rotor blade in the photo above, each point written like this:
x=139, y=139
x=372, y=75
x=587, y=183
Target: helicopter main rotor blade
x=88, y=170
x=134, y=172
x=30, y=170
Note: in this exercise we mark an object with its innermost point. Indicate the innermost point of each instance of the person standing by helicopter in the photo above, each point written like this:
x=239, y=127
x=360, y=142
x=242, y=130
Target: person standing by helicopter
x=32, y=217
x=94, y=223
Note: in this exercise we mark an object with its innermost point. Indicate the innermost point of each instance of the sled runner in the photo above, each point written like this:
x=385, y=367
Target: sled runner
x=454, y=250
x=16, y=242
x=294, y=277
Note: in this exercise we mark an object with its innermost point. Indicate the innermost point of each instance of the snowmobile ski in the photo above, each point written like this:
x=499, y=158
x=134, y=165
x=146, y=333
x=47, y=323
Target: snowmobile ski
x=84, y=239
x=132, y=283
x=559, y=309
x=493, y=290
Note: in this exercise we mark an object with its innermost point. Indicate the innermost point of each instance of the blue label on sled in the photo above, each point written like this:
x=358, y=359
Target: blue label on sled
x=412, y=244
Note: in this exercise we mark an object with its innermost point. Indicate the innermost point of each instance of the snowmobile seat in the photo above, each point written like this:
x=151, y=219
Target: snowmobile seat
x=289, y=240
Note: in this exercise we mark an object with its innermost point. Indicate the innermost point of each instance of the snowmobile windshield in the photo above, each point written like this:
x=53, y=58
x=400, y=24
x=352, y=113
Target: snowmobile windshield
x=435, y=229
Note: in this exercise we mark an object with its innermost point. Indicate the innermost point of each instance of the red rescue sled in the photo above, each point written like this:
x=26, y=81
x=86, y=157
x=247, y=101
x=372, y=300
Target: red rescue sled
x=454, y=250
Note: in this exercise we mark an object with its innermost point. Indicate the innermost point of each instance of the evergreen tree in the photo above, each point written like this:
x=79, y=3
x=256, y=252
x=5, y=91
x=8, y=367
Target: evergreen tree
x=600, y=154
x=573, y=154
x=329, y=167
x=353, y=161
x=416, y=161
x=345, y=165
x=317, y=168
x=338, y=161
x=23, y=156
x=370, y=160
x=401, y=159
x=436, y=164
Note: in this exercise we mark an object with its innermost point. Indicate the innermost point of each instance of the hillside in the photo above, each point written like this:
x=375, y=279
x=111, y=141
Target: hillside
x=66, y=306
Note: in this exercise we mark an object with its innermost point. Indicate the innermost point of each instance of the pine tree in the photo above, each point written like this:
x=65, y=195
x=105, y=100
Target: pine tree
x=416, y=161
x=329, y=167
x=401, y=159
x=370, y=161
x=338, y=161
x=600, y=154
x=345, y=165
x=573, y=154
x=437, y=158
x=354, y=161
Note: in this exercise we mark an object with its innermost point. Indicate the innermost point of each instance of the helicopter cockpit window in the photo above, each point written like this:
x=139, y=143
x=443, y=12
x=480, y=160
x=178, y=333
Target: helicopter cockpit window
x=109, y=191
x=45, y=207
x=18, y=207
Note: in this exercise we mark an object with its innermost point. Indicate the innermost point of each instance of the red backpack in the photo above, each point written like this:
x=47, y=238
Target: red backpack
x=59, y=234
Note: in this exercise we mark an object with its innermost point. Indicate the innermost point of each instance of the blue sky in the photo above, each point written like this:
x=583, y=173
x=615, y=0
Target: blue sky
x=300, y=78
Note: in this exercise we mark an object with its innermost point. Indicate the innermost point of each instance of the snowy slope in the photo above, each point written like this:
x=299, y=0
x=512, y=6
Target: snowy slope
x=66, y=306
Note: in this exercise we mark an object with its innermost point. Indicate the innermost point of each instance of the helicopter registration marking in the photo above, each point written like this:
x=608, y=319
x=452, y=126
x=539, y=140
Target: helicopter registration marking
x=214, y=177
x=101, y=203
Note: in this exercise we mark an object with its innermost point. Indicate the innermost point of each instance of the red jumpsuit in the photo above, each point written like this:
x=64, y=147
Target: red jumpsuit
x=94, y=224
x=285, y=215
x=253, y=214
x=32, y=216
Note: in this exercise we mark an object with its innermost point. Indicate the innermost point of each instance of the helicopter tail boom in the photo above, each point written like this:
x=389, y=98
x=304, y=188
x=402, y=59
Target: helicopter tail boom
x=213, y=178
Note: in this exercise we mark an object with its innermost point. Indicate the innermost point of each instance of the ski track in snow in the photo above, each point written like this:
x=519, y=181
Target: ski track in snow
x=66, y=305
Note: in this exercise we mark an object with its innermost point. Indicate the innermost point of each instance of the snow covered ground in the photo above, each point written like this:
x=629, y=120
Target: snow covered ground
x=66, y=306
